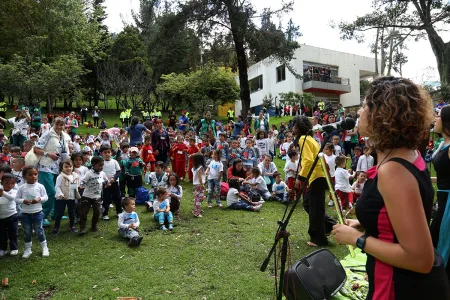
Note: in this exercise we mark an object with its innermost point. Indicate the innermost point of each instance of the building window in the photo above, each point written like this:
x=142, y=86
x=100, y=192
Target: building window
x=281, y=73
x=256, y=84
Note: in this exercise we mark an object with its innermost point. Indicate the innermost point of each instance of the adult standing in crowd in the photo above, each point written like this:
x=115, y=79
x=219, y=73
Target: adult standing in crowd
x=135, y=131
x=183, y=122
x=207, y=126
x=238, y=126
x=53, y=147
x=36, y=119
x=230, y=114
x=320, y=224
x=83, y=113
x=441, y=163
x=261, y=123
x=160, y=142
x=71, y=125
x=401, y=262
x=96, y=116
x=172, y=122
x=20, y=123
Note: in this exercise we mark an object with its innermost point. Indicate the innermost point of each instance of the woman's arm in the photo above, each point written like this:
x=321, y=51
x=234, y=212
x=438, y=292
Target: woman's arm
x=414, y=250
x=4, y=120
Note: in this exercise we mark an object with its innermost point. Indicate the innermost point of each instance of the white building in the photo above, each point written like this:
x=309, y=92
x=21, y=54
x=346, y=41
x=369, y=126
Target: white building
x=339, y=82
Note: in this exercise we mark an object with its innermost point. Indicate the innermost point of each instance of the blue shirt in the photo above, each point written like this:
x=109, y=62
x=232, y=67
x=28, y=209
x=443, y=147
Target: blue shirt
x=182, y=120
x=136, y=134
x=238, y=128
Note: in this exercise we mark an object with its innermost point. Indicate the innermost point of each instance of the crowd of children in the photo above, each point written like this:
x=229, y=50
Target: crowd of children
x=101, y=177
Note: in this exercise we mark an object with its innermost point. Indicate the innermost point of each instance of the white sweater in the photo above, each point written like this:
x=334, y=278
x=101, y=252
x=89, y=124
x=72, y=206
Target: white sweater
x=364, y=163
x=8, y=204
x=28, y=192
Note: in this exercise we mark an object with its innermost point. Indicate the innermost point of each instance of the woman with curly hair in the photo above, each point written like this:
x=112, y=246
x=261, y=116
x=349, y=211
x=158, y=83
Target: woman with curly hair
x=320, y=224
x=395, y=206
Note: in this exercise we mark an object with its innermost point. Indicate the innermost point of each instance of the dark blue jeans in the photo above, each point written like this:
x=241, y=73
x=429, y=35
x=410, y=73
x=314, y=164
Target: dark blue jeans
x=9, y=231
x=33, y=220
x=241, y=205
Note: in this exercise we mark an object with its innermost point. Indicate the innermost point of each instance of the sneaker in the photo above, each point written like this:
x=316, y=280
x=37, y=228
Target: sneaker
x=45, y=223
x=209, y=205
x=140, y=240
x=3, y=253
x=330, y=203
x=55, y=230
x=64, y=218
x=163, y=228
x=198, y=216
x=82, y=231
x=105, y=218
x=27, y=253
x=257, y=207
x=261, y=201
x=14, y=252
x=73, y=229
x=111, y=206
x=45, y=252
x=133, y=242
x=219, y=205
x=170, y=227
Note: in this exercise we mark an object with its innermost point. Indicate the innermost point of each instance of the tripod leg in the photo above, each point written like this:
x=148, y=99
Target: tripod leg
x=284, y=250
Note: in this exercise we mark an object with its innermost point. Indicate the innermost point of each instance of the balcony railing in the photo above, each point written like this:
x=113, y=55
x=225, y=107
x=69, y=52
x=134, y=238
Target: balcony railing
x=326, y=78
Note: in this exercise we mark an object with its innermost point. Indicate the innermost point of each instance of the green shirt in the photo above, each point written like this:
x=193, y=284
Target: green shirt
x=134, y=166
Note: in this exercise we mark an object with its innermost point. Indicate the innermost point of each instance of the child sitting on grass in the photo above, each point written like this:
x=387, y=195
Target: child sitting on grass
x=239, y=201
x=161, y=209
x=258, y=185
x=280, y=190
x=175, y=193
x=129, y=223
x=358, y=185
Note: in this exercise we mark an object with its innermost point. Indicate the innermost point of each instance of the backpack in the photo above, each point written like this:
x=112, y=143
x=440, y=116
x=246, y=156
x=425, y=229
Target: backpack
x=142, y=195
x=224, y=187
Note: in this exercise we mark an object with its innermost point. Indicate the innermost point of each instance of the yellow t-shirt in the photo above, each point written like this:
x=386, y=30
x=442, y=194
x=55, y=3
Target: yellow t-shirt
x=310, y=151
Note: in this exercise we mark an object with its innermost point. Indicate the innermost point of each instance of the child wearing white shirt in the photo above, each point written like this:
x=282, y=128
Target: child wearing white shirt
x=365, y=161
x=342, y=186
x=290, y=169
x=161, y=209
x=214, y=173
x=358, y=185
x=129, y=223
x=258, y=184
x=330, y=159
x=280, y=190
x=337, y=148
x=8, y=216
x=236, y=200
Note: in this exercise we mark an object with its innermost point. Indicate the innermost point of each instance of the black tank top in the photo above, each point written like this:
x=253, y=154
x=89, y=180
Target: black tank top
x=385, y=281
x=441, y=163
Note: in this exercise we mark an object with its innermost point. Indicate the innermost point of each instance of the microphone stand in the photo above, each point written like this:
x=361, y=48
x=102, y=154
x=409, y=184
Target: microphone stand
x=282, y=233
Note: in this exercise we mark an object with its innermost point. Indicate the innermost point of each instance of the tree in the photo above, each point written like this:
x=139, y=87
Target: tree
x=236, y=17
x=421, y=18
x=292, y=98
x=199, y=90
x=267, y=101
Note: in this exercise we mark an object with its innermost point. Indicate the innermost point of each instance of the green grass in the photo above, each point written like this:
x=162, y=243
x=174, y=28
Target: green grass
x=216, y=257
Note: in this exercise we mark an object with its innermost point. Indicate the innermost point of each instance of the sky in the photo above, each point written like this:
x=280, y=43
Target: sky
x=314, y=18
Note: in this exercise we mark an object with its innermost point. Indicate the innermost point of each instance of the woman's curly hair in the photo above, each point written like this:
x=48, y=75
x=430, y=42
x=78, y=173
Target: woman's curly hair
x=303, y=125
x=400, y=113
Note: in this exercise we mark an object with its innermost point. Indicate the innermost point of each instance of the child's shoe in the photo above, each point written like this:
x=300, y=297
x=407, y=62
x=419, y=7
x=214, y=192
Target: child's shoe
x=73, y=229
x=27, y=252
x=55, y=230
x=133, y=242
x=163, y=228
x=209, y=205
x=14, y=252
x=257, y=207
x=105, y=218
x=45, y=252
x=331, y=203
x=45, y=223
x=170, y=226
x=140, y=240
x=3, y=253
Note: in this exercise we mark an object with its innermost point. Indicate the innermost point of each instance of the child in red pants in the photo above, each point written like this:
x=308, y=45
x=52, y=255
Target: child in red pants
x=147, y=153
x=178, y=157
x=342, y=186
x=192, y=149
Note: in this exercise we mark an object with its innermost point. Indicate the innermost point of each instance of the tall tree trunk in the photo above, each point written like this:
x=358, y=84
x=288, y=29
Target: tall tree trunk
x=376, y=51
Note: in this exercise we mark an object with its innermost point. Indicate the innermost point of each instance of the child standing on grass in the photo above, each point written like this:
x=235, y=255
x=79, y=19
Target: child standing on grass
x=175, y=193
x=161, y=208
x=280, y=190
x=342, y=186
x=31, y=195
x=337, y=149
x=198, y=172
x=129, y=223
x=67, y=184
x=330, y=159
x=133, y=170
x=290, y=169
x=223, y=147
x=238, y=201
x=365, y=161
x=178, y=157
x=214, y=173
x=249, y=156
x=147, y=153
x=92, y=183
x=111, y=194
x=9, y=220
x=192, y=149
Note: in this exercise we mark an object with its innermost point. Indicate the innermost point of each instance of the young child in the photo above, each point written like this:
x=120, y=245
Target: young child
x=157, y=179
x=237, y=200
x=198, y=179
x=192, y=149
x=234, y=152
x=45, y=127
x=27, y=145
x=175, y=193
x=207, y=150
x=285, y=146
x=280, y=190
x=223, y=146
x=129, y=223
x=76, y=144
x=290, y=169
x=148, y=171
x=272, y=141
x=67, y=184
x=92, y=183
x=178, y=157
x=8, y=216
x=86, y=154
x=147, y=154
x=17, y=165
x=330, y=159
x=133, y=170
x=5, y=156
x=337, y=148
x=249, y=156
x=358, y=185
x=262, y=143
x=161, y=209
x=242, y=140
x=357, y=151
x=31, y=195
x=15, y=152
x=258, y=184
x=111, y=194
x=214, y=173
x=342, y=186
x=365, y=162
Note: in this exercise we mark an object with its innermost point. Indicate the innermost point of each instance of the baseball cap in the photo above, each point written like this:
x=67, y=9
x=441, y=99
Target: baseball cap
x=134, y=149
x=90, y=141
x=77, y=137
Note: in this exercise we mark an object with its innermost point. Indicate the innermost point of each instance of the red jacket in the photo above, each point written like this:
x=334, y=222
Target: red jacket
x=178, y=151
x=147, y=153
